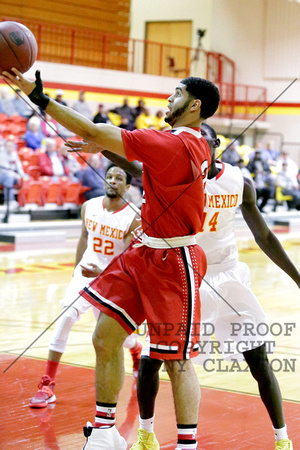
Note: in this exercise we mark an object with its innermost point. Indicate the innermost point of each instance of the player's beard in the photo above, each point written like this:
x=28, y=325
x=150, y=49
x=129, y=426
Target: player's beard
x=112, y=193
x=171, y=118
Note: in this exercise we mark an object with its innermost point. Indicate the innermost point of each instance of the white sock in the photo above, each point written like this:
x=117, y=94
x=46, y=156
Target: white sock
x=147, y=424
x=280, y=433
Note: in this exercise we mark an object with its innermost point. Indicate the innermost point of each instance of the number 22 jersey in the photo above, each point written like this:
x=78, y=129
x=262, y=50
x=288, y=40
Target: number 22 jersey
x=106, y=230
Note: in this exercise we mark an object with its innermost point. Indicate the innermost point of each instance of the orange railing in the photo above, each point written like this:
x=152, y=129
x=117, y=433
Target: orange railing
x=241, y=101
x=60, y=44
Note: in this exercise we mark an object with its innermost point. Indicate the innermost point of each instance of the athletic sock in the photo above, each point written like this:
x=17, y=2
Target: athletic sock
x=186, y=435
x=51, y=369
x=105, y=414
x=280, y=433
x=147, y=424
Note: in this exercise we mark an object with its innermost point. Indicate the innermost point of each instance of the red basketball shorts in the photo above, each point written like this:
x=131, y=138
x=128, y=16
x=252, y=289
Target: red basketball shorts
x=160, y=286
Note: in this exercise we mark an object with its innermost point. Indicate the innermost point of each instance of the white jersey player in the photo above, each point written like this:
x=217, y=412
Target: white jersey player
x=228, y=305
x=107, y=226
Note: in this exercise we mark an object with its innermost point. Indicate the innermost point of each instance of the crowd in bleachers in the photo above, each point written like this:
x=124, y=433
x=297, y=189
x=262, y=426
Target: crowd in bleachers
x=275, y=174
x=36, y=167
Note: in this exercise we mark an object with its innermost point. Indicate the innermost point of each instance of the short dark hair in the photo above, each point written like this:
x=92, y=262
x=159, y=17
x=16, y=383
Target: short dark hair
x=205, y=91
x=128, y=176
x=212, y=130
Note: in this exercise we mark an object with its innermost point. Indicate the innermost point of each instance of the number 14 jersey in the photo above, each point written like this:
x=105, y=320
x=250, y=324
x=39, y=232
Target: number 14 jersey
x=223, y=194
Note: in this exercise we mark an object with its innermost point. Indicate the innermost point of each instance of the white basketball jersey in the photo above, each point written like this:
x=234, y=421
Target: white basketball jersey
x=106, y=230
x=223, y=194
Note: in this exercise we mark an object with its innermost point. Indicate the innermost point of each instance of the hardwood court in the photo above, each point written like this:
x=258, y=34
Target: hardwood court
x=231, y=416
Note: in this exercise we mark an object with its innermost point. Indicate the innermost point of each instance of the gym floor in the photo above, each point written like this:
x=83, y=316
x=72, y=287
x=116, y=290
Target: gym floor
x=232, y=416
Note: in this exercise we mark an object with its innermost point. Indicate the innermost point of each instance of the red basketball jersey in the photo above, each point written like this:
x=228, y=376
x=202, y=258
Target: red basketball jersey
x=175, y=165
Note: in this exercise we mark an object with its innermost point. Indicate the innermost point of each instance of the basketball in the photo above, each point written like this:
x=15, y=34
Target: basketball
x=18, y=47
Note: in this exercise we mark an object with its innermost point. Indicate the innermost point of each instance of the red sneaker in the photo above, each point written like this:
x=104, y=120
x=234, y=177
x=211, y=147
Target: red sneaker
x=45, y=393
x=136, y=356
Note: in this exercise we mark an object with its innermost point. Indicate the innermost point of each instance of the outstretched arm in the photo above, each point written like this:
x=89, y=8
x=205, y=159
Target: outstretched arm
x=264, y=237
x=106, y=136
x=135, y=168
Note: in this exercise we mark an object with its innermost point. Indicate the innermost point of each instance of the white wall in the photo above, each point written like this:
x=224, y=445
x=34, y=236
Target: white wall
x=245, y=31
x=197, y=11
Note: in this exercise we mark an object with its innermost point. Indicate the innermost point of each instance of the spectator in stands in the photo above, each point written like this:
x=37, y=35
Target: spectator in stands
x=59, y=97
x=126, y=112
x=82, y=106
x=62, y=131
x=270, y=154
x=145, y=120
x=49, y=126
x=71, y=163
x=11, y=171
x=139, y=108
x=243, y=168
x=289, y=186
x=34, y=136
x=159, y=121
x=263, y=180
x=93, y=176
x=51, y=162
x=291, y=169
x=20, y=107
x=5, y=101
x=230, y=155
x=101, y=116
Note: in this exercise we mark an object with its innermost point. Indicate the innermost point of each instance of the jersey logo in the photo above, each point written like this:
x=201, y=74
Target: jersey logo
x=204, y=171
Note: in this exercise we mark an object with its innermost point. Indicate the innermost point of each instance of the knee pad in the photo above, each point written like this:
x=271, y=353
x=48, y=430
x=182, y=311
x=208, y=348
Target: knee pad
x=62, y=329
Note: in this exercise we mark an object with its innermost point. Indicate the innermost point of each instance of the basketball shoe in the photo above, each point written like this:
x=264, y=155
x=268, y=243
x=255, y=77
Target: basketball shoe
x=103, y=438
x=136, y=356
x=284, y=444
x=146, y=441
x=45, y=393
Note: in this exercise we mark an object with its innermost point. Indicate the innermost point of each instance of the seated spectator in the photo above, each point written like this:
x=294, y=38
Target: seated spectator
x=243, y=168
x=59, y=97
x=125, y=124
x=139, y=108
x=159, y=121
x=101, y=116
x=125, y=111
x=263, y=180
x=270, y=154
x=51, y=163
x=93, y=176
x=291, y=168
x=34, y=136
x=230, y=155
x=82, y=106
x=11, y=170
x=49, y=126
x=289, y=186
x=145, y=120
x=5, y=101
x=71, y=163
x=20, y=107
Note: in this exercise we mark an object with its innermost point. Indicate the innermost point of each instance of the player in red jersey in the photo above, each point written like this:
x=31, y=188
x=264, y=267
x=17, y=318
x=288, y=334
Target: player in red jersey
x=159, y=279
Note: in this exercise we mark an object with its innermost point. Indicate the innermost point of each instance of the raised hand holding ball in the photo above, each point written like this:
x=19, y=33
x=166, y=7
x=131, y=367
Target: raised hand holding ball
x=18, y=47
